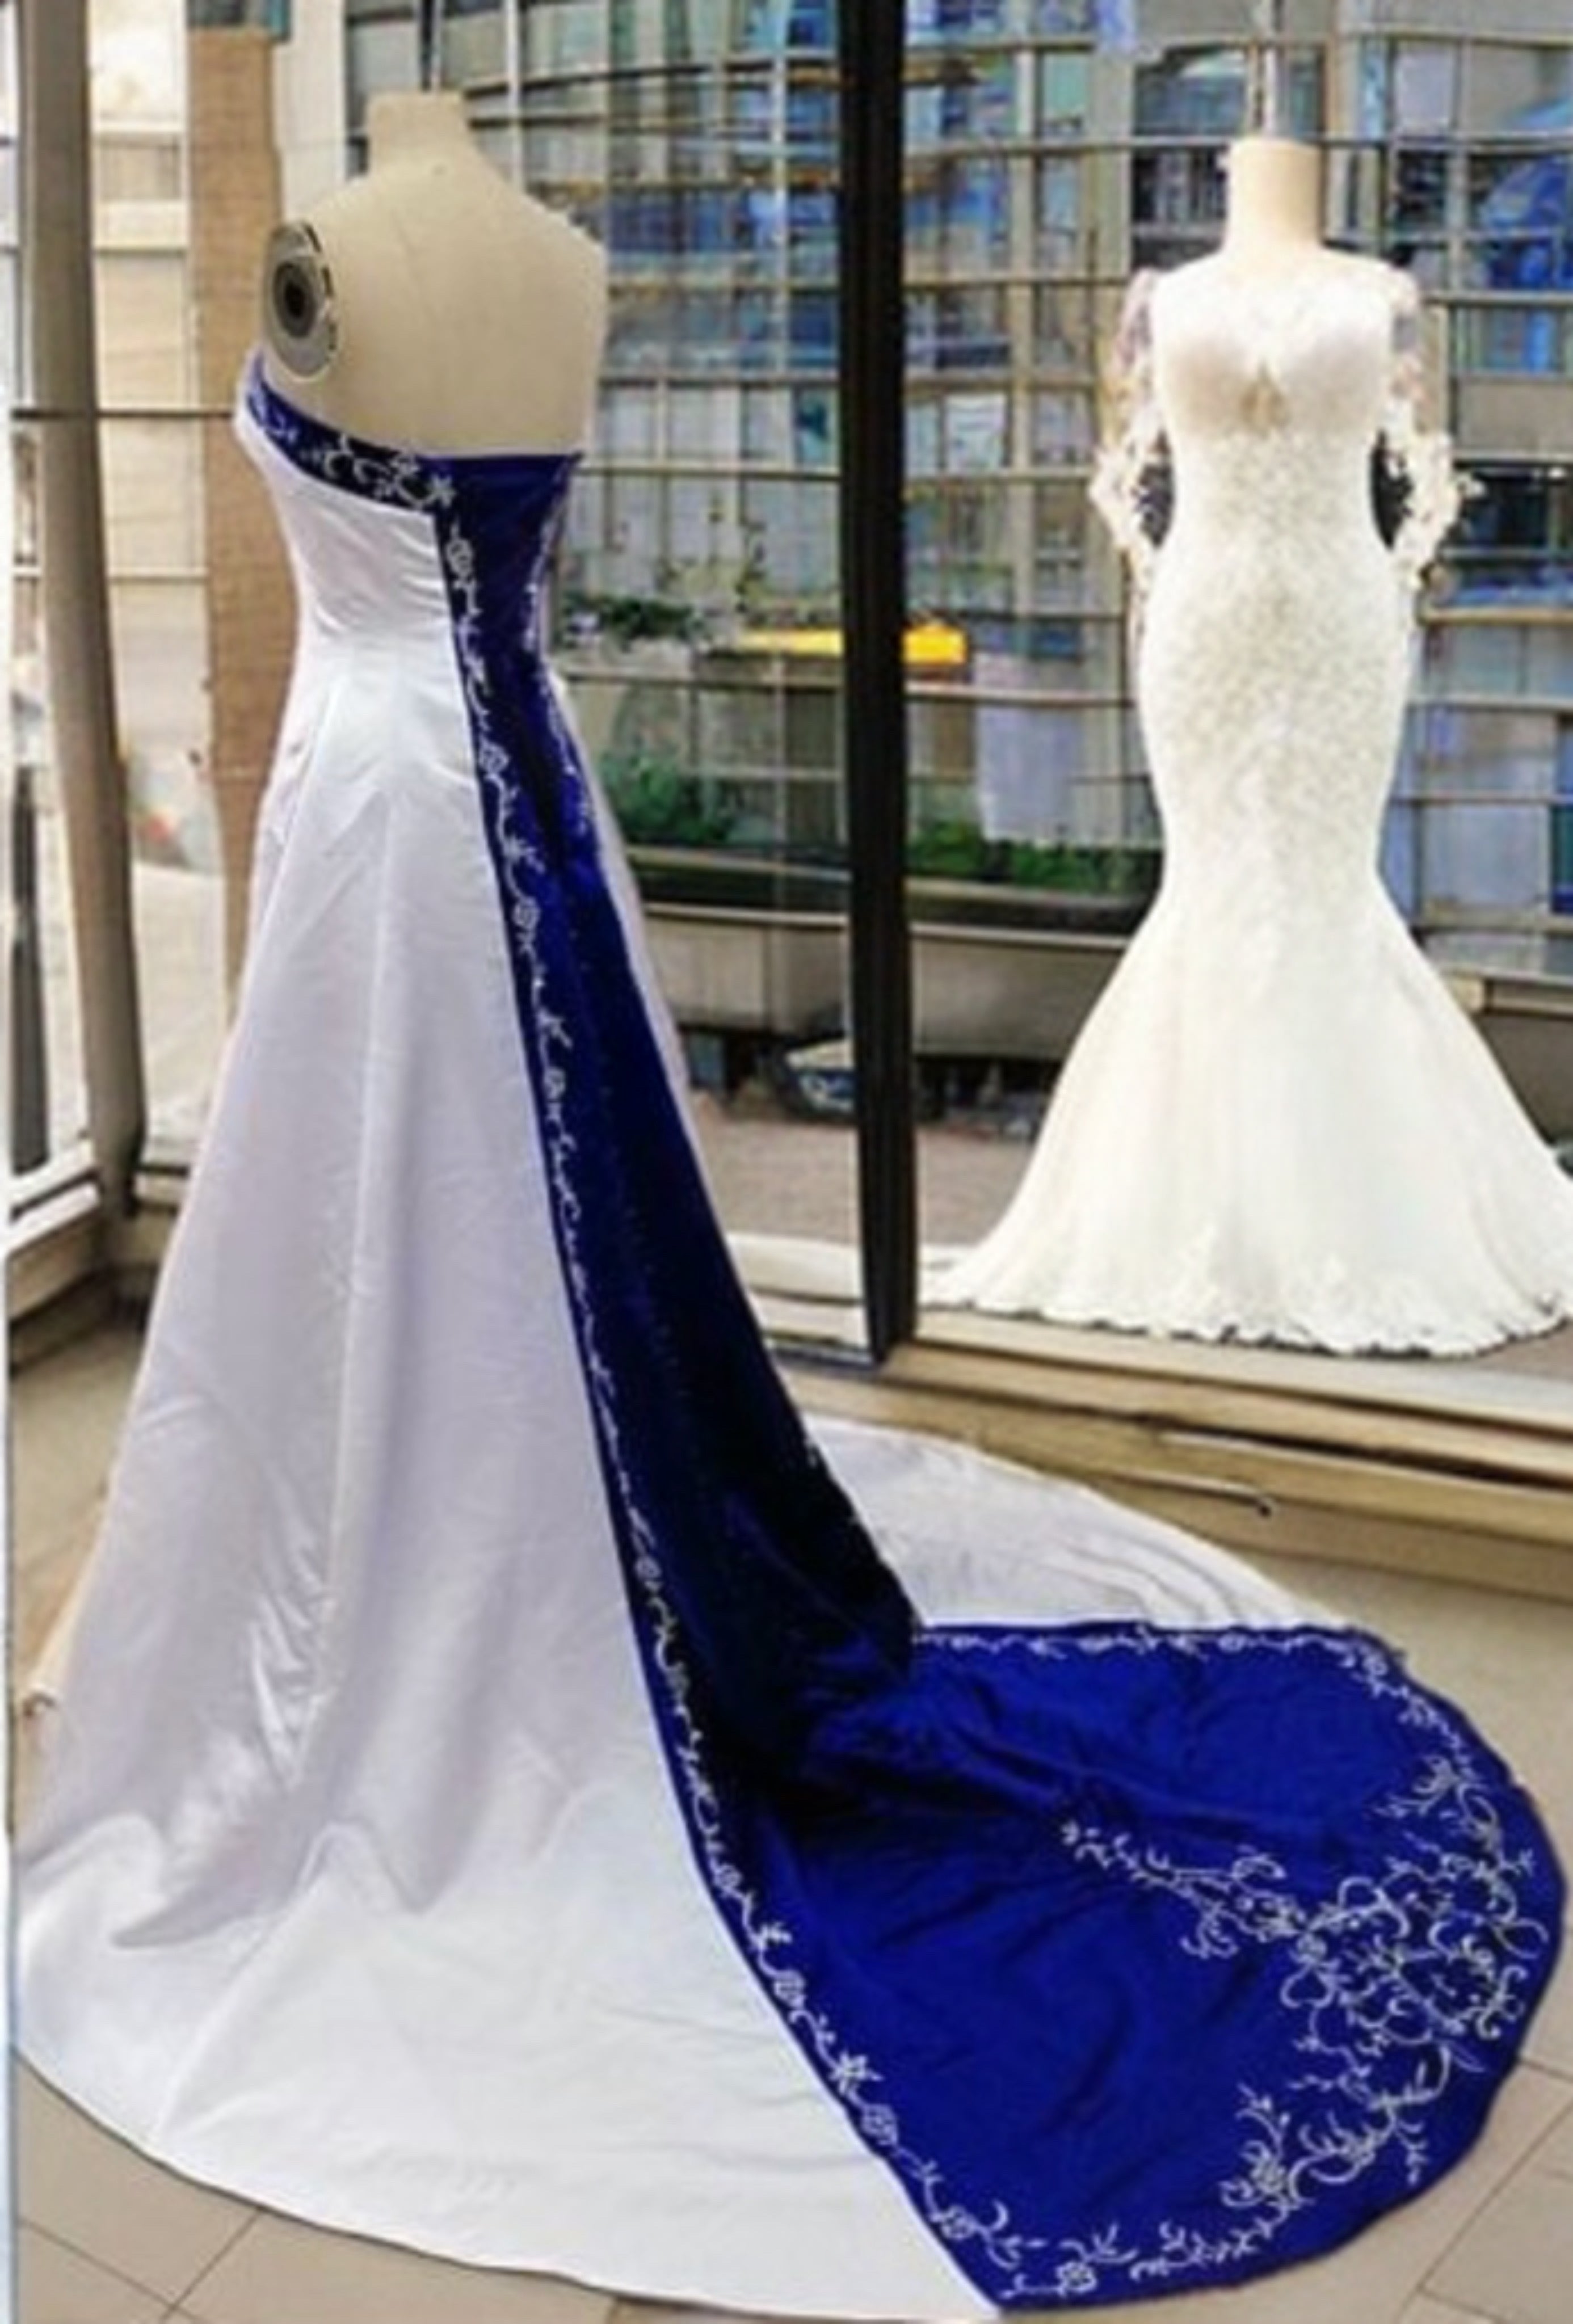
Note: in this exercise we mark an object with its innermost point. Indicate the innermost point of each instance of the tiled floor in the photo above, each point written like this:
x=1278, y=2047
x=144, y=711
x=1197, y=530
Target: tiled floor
x=107, y=2239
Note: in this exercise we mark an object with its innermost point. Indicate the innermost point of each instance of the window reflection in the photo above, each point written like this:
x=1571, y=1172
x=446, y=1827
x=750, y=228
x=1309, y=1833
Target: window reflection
x=698, y=595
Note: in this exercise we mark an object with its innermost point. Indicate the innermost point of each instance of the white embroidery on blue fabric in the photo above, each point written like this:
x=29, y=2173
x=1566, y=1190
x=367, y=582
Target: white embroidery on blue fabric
x=849, y=2074
x=1382, y=2043
x=1347, y=1954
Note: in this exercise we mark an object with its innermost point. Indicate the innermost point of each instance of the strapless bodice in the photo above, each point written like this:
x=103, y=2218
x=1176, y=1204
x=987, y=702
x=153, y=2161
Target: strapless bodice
x=356, y=517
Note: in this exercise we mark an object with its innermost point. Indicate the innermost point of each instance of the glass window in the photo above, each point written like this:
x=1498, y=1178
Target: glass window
x=1510, y=90
x=48, y=1098
x=793, y=540
x=1424, y=85
x=960, y=547
x=813, y=741
x=1374, y=89
x=960, y=211
x=977, y=433
x=696, y=541
x=633, y=513
x=811, y=119
x=564, y=35
x=126, y=172
x=474, y=42
x=813, y=324
x=1511, y=338
x=963, y=100
x=703, y=334
x=698, y=30
x=1191, y=92
x=1204, y=93
x=815, y=413
x=626, y=427
x=740, y=728
x=1561, y=898
x=701, y=423
x=1060, y=548
x=1063, y=329
x=1049, y=141
x=1062, y=428
x=923, y=416
x=958, y=330
x=1521, y=219
x=761, y=330
x=380, y=56
x=1064, y=87
x=1060, y=248
x=812, y=226
x=1515, y=535
x=767, y=432
x=1177, y=204
x=152, y=493
x=1418, y=192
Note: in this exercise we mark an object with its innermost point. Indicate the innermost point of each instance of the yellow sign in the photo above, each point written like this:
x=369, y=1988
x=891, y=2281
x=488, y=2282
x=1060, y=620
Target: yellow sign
x=928, y=645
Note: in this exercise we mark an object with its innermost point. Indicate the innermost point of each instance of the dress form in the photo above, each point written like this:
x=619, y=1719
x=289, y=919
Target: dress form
x=467, y=317
x=466, y=1576
x=1272, y=223
x=1274, y=203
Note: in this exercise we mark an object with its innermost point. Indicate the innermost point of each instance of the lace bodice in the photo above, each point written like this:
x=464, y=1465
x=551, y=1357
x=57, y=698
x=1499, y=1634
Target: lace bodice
x=1230, y=380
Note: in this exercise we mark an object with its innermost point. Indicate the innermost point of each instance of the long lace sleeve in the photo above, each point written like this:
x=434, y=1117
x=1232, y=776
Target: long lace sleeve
x=1131, y=488
x=1418, y=487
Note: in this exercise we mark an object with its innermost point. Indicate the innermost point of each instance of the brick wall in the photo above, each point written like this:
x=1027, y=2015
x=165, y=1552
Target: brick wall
x=235, y=205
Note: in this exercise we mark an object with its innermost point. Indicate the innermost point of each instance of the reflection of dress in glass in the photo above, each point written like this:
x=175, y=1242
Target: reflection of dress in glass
x=1277, y=1125
x=499, y=1799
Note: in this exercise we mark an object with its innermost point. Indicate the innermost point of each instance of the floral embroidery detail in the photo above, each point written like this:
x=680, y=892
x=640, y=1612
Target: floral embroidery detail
x=1397, y=1983
x=1433, y=493
x=1291, y=2143
x=395, y=479
x=1379, y=2049
x=765, y=1942
x=1131, y=447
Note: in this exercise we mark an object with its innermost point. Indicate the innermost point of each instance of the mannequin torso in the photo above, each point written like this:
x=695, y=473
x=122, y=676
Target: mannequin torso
x=1273, y=221
x=467, y=317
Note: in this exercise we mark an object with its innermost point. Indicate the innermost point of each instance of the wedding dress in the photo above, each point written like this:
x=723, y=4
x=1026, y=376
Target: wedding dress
x=498, y=1798
x=1278, y=1125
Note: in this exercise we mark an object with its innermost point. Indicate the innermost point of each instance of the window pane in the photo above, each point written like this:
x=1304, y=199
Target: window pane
x=1424, y=87
x=1511, y=89
x=1521, y=221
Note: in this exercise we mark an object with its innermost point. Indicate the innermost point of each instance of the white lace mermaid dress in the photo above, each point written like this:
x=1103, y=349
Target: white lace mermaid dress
x=500, y=1800
x=1277, y=1124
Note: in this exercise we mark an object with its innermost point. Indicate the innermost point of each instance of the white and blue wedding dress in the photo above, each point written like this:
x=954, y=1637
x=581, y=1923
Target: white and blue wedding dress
x=501, y=1798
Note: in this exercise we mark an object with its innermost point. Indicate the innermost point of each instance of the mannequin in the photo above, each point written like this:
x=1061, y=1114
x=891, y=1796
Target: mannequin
x=372, y=305
x=1273, y=218
x=502, y=1795
x=1274, y=201
x=1276, y=1126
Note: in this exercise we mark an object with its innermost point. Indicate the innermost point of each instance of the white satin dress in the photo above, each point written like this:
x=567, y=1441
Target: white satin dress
x=499, y=1799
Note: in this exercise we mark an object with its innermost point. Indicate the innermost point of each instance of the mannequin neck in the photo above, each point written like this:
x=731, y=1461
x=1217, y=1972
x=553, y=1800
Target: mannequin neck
x=1274, y=199
x=417, y=126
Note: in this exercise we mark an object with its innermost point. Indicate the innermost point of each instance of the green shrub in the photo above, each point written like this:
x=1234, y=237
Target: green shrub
x=956, y=849
x=660, y=804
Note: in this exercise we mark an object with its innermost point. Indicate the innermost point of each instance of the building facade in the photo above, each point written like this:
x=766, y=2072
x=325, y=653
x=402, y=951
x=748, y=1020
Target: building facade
x=1053, y=147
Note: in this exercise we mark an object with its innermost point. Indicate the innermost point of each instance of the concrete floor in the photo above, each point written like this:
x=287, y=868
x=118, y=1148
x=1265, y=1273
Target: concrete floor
x=107, y=2239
